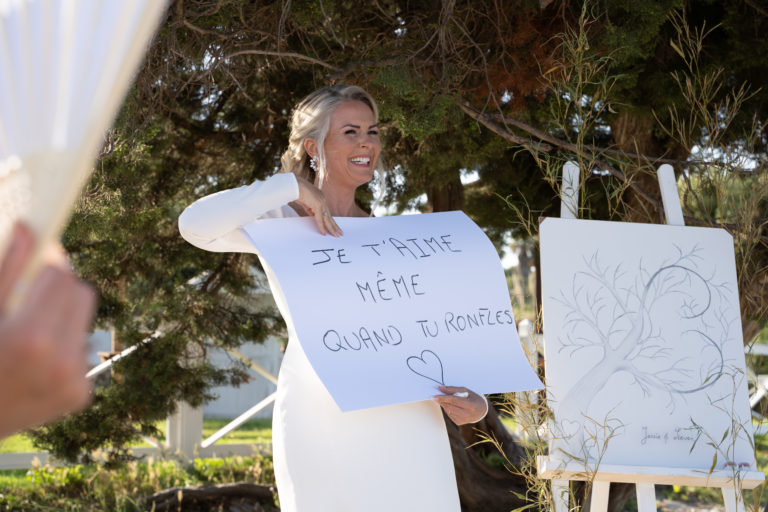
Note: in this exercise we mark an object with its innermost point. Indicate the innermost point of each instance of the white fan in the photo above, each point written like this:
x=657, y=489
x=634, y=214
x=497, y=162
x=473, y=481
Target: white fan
x=65, y=66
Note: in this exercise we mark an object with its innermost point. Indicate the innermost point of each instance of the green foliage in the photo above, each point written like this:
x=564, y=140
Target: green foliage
x=86, y=488
x=631, y=29
x=153, y=285
x=413, y=108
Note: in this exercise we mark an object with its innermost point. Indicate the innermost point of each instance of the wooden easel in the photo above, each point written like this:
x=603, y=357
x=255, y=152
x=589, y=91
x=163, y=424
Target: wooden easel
x=643, y=477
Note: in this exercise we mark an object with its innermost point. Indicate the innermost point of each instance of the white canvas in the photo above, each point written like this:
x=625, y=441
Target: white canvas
x=644, y=349
x=397, y=306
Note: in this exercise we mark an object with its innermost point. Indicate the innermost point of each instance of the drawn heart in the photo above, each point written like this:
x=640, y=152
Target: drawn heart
x=428, y=366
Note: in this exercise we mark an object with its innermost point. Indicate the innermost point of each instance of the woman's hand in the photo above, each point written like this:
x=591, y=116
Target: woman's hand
x=312, y=200
x=462, y=405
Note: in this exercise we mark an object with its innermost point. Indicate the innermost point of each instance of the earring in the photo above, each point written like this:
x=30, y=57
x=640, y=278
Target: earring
x=314, y=164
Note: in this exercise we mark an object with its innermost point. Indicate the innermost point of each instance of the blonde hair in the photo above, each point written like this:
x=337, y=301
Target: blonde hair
x=311, y=119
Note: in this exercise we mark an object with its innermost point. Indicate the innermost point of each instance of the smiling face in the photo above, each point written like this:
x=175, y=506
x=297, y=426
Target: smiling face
x=352, y=145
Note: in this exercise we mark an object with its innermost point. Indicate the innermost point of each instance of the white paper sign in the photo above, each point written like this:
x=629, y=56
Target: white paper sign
x=644, y=350
x=397, y=306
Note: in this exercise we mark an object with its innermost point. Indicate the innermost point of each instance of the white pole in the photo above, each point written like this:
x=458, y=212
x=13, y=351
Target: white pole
x=569, y=209
x=569, y=191
x=232, y=425
x=669, y=196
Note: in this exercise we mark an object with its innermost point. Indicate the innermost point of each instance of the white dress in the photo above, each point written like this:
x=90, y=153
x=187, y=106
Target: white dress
x=386, y=459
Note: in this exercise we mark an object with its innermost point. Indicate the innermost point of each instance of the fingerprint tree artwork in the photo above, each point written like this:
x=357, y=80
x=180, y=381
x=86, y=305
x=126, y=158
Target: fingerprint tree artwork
x=643, y=337
x=613, y=309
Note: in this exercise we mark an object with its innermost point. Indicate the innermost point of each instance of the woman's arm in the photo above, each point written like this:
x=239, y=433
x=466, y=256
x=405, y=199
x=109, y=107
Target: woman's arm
x=212, y=222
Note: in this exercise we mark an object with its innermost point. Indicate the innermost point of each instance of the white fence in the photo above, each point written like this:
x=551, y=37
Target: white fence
x=184, y=429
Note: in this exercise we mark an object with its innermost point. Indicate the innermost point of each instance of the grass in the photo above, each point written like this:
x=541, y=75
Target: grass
x=90, y=488
x=252, y=431
x=17, y=443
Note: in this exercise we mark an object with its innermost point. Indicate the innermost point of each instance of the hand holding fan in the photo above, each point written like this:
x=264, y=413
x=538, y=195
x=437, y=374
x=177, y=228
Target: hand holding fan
x=65, y=66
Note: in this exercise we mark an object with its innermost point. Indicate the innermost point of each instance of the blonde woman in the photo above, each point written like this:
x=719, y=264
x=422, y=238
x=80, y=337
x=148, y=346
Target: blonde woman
x=394, y=458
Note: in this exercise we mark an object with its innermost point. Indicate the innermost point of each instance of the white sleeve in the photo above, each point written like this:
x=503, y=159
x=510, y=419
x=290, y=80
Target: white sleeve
x=213, y=222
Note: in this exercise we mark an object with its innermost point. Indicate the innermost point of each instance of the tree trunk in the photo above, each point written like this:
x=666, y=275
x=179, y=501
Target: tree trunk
x=447, y=196
x=633, y=133
x=483, y=487
x=240, y=497
x=538, y=324
x=525, y=260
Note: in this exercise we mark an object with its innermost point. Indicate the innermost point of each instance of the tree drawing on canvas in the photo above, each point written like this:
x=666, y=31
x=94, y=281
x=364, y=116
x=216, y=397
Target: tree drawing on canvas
x=644, y=354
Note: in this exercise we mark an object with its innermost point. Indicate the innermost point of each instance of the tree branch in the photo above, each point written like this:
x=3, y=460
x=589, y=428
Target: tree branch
x=554, y=141
x=757, y=7
x=202, y=31
x=354, y=66
x=501, y=131
x=327, y=19
x=584, y=151
x=281, y=24
x=289, y=55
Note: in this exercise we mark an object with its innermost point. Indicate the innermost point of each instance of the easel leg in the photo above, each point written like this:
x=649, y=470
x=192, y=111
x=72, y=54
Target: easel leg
x=733, y=500
x=646, y=497
x=560, y=495
x=599, y=502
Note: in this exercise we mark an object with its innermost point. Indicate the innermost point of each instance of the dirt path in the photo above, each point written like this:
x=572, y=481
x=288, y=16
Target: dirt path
x=665, y=505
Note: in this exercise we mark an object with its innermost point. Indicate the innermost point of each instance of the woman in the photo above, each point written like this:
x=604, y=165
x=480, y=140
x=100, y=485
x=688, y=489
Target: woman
x=383, y=459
